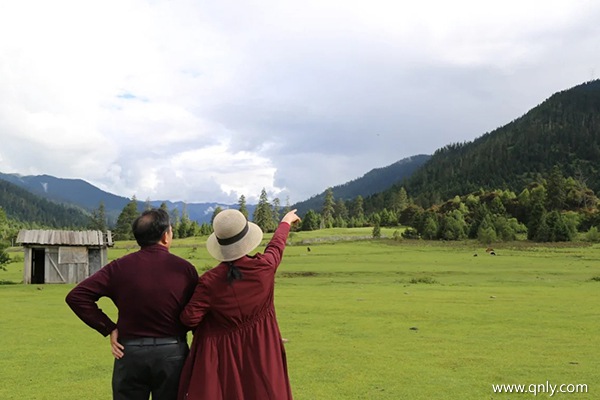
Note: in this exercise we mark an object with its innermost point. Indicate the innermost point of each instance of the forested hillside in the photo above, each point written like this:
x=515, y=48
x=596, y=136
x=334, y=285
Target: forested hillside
x=374, y=181
x=535, y=177
x=564, y=130
x=32, y=210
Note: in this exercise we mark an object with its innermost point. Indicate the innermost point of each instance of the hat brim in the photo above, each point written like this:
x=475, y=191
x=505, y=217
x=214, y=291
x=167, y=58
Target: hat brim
x=238, y=249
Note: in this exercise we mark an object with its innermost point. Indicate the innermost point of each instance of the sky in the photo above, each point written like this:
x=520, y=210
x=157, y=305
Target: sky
x=205, y=101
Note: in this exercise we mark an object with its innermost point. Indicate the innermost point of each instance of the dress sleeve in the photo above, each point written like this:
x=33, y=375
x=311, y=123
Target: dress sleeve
x=197, y=307
x=83, y=300
x=274, y=250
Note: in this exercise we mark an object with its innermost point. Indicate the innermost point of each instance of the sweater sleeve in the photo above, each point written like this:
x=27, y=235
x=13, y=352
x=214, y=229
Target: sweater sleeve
x=83, y=300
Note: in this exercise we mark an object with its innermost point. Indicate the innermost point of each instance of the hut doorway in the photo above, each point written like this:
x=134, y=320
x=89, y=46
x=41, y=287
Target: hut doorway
x=38, y=266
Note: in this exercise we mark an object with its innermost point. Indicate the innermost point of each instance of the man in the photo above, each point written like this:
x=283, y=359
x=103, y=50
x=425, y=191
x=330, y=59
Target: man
x=149, y=288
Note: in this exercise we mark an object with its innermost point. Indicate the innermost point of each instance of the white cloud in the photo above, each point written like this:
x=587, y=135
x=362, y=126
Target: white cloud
x=205, y=101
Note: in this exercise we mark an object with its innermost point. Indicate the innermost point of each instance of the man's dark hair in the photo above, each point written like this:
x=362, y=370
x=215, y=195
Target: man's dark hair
x=149, y=227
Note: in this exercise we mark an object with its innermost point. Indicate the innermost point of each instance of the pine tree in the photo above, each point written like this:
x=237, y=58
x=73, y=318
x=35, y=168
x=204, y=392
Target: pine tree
x=311, y=221
x=340, y=211
x=276, y=208
x=542, y=231
x=328, y=209
x=537, y=218
x=193, y=229
x=174, y=216
x=4, y=229
x=123, y=230
x=430, y=228
x=263, y=214
x=4, y=257
x=486, y=233
x=185, y=223
x=357, y=211
x=399, y=200
x=216, y=211
x=555, y=190
x=206, y=229
x=98, y=219
x=4, y=226
x=242, y=206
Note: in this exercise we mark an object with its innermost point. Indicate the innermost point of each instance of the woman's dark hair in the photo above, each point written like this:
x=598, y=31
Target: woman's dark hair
x=149, y=227
x=233, y=273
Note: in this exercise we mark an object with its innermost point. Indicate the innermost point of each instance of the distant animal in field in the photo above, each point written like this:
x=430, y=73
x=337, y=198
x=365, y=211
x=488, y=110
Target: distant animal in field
x=308, y=249
x=490, y=251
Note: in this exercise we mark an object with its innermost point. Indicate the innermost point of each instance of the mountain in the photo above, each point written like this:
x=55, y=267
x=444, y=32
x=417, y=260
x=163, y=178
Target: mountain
x=200, y=212
x=24, y=206
x=74, y=192
x=375, y=181
x=79, y=193
x=564, y=130
x=70, y=191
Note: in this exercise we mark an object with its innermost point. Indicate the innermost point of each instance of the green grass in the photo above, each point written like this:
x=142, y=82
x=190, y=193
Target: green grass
x=364, y=319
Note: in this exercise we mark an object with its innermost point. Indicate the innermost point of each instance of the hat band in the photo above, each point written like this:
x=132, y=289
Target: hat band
x=233, y=239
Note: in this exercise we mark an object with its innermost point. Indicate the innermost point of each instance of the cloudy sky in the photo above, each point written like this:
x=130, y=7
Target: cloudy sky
x=204, y=101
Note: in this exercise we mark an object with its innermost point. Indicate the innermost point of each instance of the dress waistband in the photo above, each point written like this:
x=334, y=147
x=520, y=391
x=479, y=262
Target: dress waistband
x=151, y=341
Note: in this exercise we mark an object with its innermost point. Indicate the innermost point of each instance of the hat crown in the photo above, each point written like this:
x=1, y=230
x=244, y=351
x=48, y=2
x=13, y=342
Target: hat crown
x=233, y=236
x=229, y=223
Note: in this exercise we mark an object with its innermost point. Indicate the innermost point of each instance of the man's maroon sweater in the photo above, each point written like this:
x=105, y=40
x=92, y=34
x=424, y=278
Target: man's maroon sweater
x=149, y=287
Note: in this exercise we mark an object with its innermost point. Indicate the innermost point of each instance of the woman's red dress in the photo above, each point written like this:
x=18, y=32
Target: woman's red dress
x=236, y=351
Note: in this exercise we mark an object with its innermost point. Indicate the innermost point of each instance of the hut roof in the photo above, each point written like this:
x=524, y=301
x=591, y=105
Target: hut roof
x=65, y=238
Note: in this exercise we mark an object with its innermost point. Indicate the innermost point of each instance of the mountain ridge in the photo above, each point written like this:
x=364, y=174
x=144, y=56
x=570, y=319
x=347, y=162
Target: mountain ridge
x=562, y=130
x=80, y=193
x=374, y=181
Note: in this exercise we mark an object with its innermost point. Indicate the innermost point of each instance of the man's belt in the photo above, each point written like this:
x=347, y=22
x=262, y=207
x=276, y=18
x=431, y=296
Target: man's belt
x=150, y=341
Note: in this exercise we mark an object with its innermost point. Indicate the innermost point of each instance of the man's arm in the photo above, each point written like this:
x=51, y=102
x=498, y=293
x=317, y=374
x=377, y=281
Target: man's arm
x=83, y=301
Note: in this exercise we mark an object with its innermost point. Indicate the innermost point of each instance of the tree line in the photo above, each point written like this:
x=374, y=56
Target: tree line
x=266, y=215
x=551, y=209
x=554, y=208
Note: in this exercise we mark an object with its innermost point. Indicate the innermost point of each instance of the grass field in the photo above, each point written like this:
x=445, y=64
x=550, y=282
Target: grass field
x=364, y=319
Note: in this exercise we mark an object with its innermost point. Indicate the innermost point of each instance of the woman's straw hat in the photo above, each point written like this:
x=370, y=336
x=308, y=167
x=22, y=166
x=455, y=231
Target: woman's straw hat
x=233, y=236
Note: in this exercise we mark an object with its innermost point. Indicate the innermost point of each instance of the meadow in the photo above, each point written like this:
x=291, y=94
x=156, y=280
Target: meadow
x=365, y=319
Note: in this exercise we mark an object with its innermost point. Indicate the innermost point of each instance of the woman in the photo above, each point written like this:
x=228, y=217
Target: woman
x=237, y=350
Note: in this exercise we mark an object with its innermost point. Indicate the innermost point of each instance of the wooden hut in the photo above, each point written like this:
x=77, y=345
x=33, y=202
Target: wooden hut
x=55, y=256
